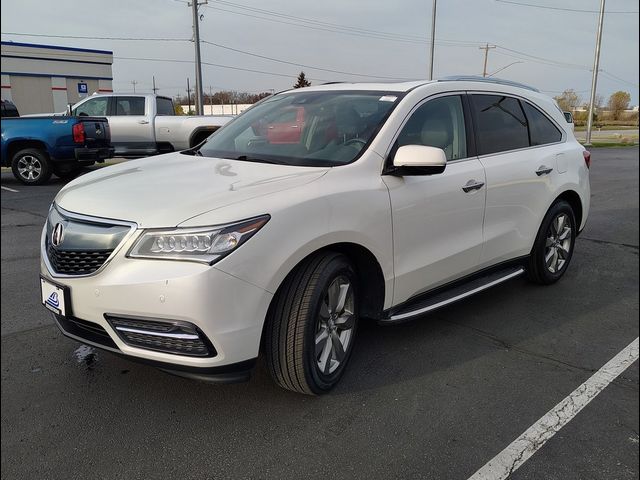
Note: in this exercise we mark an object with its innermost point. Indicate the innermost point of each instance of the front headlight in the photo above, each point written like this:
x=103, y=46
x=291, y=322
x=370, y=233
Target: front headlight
x=205, y=245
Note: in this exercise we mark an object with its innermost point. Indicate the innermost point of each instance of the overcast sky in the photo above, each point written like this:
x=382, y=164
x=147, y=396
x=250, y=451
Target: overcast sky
x=381, y=38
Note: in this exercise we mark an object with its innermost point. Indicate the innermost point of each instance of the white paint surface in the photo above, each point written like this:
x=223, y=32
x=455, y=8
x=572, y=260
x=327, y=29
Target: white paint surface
x=523, y=447
x=9, y=189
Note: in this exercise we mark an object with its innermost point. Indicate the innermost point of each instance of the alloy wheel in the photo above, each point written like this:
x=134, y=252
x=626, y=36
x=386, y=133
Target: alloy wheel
x=335, y=324
x=29, y=168
x=558, y=244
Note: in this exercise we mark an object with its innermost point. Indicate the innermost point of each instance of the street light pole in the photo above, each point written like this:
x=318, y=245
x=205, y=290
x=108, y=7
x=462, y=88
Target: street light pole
x=594, y=77
x=196, y=39
x=433, y=39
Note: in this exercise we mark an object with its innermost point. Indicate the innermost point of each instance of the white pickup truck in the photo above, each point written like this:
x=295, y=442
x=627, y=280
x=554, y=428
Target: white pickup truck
x=144, y=124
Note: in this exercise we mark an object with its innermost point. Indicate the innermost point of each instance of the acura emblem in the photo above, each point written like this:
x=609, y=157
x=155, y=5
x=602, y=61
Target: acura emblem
x=57, y=235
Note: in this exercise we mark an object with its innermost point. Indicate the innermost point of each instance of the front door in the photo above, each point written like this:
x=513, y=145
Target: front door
x=437, y=219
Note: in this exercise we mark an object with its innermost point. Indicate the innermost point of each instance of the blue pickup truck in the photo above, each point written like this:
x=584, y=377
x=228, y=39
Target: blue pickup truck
x=37, y=147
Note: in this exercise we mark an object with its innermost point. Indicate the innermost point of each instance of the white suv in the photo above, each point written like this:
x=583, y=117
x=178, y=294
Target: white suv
x=314, y=210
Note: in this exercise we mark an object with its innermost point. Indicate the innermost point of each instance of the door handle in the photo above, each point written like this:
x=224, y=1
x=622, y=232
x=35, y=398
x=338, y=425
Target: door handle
x=472, y=185
x=543, y=170
x=143, y=122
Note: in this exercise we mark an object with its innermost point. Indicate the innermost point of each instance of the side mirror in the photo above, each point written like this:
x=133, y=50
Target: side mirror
x=419, y=160
x=69, y=110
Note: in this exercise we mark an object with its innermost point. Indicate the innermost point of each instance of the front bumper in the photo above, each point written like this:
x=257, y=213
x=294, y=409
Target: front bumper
x=230, y=312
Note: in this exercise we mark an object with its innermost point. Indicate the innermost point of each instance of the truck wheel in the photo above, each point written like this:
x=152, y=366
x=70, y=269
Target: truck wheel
x=553, y=249
x=311, y=324
x=31, y=166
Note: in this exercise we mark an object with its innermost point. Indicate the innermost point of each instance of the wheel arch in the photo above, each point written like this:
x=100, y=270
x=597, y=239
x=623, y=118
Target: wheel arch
x=371, y=281
x=574, y=200
x=200, y=134
x=20, y=144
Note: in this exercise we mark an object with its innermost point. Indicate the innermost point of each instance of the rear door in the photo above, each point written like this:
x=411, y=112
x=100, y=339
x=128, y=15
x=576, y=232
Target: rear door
x=518, y=147
x=132, y=130
x=437, y=219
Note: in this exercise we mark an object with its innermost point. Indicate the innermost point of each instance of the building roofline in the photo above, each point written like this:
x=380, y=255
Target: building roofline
x=56, y=47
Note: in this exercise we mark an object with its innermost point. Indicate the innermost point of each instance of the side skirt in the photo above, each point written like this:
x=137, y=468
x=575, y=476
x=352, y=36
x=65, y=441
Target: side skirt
x=453, y=292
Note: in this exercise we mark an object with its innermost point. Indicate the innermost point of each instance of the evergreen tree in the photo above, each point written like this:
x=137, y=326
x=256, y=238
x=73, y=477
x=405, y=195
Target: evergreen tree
x=302, y=81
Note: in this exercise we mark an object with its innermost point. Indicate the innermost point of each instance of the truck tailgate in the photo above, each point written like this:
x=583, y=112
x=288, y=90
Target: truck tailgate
x=96, y=130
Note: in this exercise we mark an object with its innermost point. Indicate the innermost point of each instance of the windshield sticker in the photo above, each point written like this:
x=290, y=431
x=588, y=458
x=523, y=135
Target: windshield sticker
x=388, y=98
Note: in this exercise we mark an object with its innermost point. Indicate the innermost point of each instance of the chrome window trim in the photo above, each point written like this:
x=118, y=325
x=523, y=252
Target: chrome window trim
x=133, y=227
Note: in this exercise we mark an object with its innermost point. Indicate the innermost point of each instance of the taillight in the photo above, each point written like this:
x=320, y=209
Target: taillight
x=587, y=158
x=78, y=133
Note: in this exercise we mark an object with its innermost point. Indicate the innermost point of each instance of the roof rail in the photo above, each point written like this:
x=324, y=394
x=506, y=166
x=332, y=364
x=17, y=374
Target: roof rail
x=476, y=78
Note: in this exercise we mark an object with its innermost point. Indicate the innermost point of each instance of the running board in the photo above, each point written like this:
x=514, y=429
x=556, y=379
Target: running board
x=442, y=298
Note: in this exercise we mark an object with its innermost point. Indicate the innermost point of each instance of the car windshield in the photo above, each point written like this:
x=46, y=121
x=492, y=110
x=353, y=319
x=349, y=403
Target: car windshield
x=327, y=128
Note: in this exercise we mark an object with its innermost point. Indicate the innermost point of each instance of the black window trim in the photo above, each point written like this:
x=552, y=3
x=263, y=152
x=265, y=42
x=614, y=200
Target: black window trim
x=535, y=107
x=387, y=166
x=520, y=99
x=114, y=105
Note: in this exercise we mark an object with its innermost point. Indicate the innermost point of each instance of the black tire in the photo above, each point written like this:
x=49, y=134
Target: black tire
x=39, y=160
x=548, y=239
x=68, y=173
x=294, y=323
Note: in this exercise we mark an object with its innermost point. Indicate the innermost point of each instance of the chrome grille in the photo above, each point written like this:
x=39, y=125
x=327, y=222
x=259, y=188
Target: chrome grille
x=76, y=245
x=77, y=262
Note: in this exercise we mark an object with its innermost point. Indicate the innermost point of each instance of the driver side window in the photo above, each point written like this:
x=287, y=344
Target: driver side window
x=438, y=123
x=96, y=107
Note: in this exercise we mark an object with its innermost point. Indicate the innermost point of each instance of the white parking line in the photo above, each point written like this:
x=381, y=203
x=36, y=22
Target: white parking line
x=9, y=189
x=521, y=449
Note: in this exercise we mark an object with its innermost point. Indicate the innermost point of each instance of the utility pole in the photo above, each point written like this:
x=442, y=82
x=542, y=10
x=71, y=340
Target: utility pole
x=155, y=90
x=486, y=49
x=211, y=98
x=433, y=39
x=134, y=83
x=594, y=77
x=196, y=40
x=188, y=97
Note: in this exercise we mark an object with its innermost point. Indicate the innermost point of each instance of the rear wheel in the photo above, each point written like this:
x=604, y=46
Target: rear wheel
x=312, y=324
x=31, y=166
x=553, y=249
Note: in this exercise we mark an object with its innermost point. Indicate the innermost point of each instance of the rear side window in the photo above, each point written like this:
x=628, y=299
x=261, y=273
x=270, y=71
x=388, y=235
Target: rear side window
x=165, y=106
x=130, y=106
x=542, y=129
x=501, y=124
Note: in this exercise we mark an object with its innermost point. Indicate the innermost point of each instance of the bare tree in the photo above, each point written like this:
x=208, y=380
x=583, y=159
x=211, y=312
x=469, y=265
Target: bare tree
x=568, y=100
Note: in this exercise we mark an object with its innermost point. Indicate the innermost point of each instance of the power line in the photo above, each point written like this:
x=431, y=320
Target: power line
x=315, y=25
x=313, y=21
x=612, y=76
x=300, y=64
x=563, y=9
x=175, y=60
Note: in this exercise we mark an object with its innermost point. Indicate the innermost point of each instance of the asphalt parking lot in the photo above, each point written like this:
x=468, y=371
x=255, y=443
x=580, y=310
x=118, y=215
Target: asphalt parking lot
x=435, y=398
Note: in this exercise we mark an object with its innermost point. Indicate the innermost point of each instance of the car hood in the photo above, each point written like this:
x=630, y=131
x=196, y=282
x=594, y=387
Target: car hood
x=166, y=190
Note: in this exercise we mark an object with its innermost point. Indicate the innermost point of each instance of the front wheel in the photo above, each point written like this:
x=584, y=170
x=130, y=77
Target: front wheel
x=31, y=166
x=312, y=323
x=553, y=249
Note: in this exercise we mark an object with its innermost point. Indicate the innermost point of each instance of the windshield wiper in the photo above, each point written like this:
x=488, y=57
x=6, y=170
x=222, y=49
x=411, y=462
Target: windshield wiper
x=246, y=158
